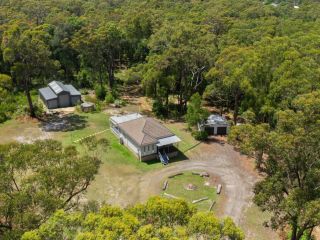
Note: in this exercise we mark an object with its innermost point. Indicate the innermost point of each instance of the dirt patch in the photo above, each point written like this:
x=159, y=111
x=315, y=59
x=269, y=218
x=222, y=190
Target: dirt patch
x=226, y=166
x=24, y=130
x=115, y=184
x=63, y=122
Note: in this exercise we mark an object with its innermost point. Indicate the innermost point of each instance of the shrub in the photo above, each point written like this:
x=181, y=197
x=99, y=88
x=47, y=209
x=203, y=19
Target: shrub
x=119, y=102
x=100, y=92
x=39, y=109
x=200, y=135
x=89, y=98
x=159, y=109
x=109, y=98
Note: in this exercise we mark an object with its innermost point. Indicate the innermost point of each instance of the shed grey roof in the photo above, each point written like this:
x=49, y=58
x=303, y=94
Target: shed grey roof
x=217, y=119
x=47, y=93
x=57, y=87
x=72, y=90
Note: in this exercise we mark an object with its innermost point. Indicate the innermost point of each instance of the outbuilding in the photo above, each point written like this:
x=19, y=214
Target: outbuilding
x=215, y=125
x=58, y=95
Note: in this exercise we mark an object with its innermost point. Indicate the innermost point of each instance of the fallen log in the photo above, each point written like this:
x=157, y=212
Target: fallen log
x=200, y=200
x=174, y=175
x=195, y=173
x=204, y=174
x=165, y=185
x=219, y=187
x=170, y=196
x=211, y=206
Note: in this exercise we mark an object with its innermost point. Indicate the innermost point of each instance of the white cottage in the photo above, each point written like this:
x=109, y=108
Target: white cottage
x=145, y=137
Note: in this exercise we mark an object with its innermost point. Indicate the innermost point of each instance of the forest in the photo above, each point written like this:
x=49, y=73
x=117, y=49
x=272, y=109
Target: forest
x=255, y=61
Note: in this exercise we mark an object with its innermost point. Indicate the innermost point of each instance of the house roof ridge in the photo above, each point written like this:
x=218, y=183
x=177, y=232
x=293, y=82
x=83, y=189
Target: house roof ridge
x=144, y=132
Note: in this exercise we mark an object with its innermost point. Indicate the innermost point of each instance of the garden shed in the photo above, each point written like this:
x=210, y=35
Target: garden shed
x=215, y=125
x=58, y=95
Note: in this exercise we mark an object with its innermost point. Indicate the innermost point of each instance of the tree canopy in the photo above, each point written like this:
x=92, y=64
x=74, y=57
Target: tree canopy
x=39, y=178
x=240, y=56
x=158, y=218
x=288, y=156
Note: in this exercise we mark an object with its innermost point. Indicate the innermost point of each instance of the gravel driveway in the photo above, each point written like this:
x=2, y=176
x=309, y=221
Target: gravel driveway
x=235, y=172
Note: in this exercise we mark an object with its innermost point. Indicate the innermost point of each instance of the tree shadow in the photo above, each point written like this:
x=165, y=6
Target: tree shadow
x=216, y=139
x=63, y=123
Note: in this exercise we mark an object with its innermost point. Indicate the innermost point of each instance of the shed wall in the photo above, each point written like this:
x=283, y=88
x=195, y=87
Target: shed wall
x=52, y=103
x=75, y=100
x=64, y=100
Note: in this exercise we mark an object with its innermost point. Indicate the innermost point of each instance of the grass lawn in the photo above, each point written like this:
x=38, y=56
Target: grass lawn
x=253, y=224
x=177, y=187
x=116, y=153
x=180, y=129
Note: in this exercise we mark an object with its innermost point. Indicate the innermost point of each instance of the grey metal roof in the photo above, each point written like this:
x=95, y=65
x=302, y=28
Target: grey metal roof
x=72, y=90
x=125, y=118
x=47, y=93
x=57, y=87
x=217, y=119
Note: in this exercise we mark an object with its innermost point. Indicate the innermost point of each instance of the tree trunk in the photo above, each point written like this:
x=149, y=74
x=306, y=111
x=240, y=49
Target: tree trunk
x=236, y=109
x=100, y=77
x=310, y=234
x=111, y=75
x=294, y=232
x=31, y=108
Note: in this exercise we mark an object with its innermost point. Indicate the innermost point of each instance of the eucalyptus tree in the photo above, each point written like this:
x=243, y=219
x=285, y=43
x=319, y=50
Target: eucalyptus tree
x=39, y=178
x=289, y=158
x=101, y=49
x=27, y=50
x=180, y=53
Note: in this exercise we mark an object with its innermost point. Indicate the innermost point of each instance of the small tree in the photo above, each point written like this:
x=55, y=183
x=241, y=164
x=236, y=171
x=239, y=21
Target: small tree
x=195, y=111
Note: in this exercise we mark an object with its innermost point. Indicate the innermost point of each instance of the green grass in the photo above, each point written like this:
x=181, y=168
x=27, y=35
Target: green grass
x=188, y=142
x=177, y=187
x=253, y=223
x=116, y=153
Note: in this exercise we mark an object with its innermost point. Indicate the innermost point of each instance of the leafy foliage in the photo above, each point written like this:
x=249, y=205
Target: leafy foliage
x=157, y=219
x=289, y=158
x=39, y=178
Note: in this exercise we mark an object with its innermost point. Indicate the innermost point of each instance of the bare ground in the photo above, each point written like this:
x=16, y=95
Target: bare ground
x=231, y=169
x=220, y=161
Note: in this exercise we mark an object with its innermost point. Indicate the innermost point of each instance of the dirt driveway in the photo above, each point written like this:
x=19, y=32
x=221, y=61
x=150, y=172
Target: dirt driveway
x=235, y=172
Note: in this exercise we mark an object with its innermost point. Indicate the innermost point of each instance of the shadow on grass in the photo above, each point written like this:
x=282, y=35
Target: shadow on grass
x=180, y=157
x=192, y=147
x=65, y=123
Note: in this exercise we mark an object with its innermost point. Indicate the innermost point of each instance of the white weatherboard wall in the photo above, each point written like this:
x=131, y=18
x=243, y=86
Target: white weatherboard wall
x=148, y=150
x=129, y=143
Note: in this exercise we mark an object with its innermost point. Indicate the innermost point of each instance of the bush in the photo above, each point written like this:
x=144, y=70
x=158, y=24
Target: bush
x=159, y=109
x=200, y=135
x=119, y=102
x=89, y=98
x=100, y=92
x=39, y=109
x=109, y=98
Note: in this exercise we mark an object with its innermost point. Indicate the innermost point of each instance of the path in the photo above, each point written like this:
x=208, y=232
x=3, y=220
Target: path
x=234, y=171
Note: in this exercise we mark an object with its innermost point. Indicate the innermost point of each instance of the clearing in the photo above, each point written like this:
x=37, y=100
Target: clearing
x=123, y=180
